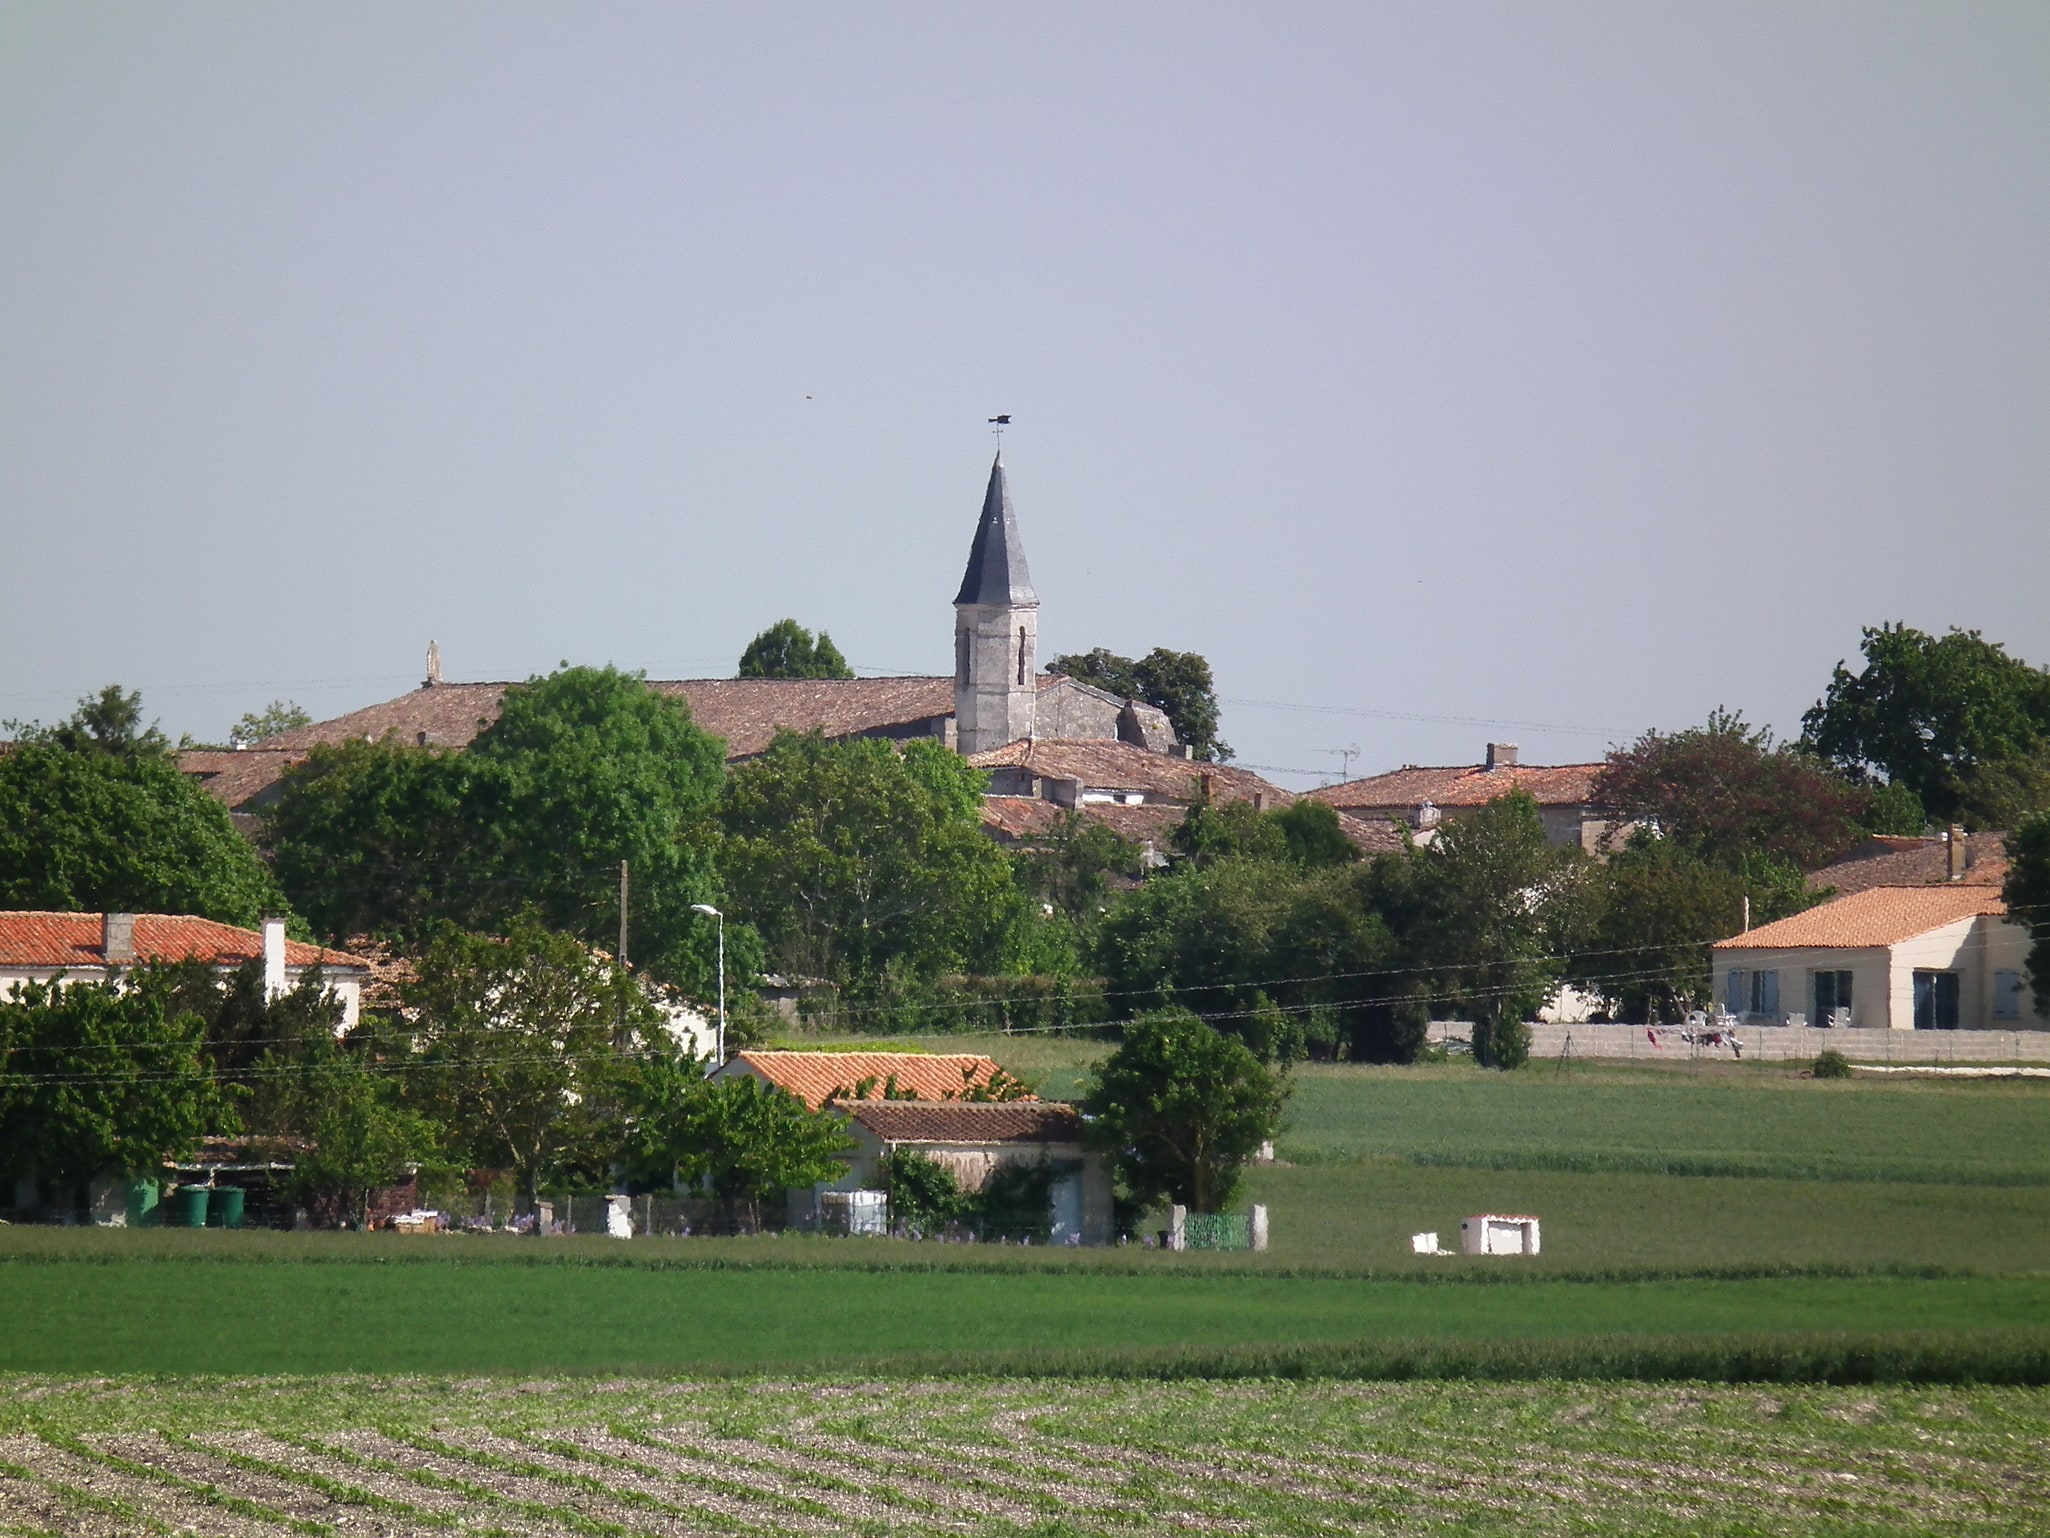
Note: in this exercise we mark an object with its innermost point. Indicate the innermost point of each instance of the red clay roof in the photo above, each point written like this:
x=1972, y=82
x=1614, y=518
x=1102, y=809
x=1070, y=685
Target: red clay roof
x=745, y=711
x=1027, y=819
x=1891, y=860
x=816, y=1077
x=1880, y=915
x=1101, y=764
x=961, y=1121
x=50, y=940
x=1462, y=785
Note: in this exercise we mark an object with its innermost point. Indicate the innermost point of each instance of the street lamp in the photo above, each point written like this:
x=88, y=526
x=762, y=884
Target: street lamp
x=711, y=912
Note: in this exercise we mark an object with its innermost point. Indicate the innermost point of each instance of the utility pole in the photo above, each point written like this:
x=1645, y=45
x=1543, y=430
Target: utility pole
x=622, y=915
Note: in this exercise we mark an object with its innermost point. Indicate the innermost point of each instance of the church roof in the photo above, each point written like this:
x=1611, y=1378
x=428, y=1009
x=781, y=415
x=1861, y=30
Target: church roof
x=996, y=562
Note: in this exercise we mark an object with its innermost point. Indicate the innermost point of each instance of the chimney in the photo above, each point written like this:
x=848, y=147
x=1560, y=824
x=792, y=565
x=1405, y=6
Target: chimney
x=1956, y=840
x=117, y=939
x=1259, y=800
x=273, y=958
x=1501, y=755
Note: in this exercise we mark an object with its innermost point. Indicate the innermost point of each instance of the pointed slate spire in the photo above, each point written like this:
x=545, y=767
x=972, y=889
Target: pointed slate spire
x=996, y=562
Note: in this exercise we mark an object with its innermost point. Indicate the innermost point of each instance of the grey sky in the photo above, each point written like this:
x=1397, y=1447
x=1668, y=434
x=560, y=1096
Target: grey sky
x=1580, y=366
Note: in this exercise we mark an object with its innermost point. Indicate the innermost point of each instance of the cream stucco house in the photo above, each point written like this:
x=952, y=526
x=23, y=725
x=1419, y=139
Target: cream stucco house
x=1886, y=958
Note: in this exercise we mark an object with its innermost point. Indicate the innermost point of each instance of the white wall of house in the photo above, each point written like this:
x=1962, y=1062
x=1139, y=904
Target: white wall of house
x=1987, y=953
x=345, y=986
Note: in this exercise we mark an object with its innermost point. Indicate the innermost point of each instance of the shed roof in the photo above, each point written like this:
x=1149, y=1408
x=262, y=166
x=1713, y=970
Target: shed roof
x=72, y=940
x=1880, y=915
x=816, y=1077
x=965, y=1121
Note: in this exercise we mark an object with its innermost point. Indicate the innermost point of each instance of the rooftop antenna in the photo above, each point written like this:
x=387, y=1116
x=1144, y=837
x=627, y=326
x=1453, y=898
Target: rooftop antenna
x=1000, y=423
x=1345, y=758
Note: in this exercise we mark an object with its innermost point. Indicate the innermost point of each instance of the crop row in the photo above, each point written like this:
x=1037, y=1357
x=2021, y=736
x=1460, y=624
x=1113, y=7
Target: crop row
x=1003, y=1458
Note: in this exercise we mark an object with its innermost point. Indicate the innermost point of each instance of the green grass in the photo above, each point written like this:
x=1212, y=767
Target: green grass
x=1761, y=1122
x=1361, y=1214
x=860, y=1455
x=513, y=1305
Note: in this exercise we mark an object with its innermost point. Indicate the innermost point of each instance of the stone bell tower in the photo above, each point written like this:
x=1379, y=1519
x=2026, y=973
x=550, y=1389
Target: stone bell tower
x=996, y=631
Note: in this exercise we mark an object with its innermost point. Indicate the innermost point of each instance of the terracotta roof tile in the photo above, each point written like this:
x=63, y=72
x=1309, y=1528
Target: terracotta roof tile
x=1895, y=861
x=1101, y=764
x=1880, y=915
x=816, y=1077
x=239, y=778
x=42, y=940
x=959, y=1121
x=1464, y=785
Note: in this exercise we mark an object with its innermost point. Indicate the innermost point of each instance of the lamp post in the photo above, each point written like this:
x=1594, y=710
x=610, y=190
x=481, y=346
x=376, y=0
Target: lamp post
x=711, y=912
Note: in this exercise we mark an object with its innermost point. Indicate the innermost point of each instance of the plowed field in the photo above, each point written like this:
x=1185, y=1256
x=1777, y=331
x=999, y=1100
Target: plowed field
x=403, y=1456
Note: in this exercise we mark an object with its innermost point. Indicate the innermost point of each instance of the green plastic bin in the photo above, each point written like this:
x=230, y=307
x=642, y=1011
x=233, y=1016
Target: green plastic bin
x=224, y=1210
x=143, y=1197
x=190, y=1211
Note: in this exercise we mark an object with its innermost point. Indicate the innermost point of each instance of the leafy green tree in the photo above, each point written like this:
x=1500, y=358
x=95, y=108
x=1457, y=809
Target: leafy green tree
x=583, y=769
x=99, y=1078
x=380, y=838
x=358, y=1133
x=517, y=1044
x=1208, y=833
x=787, y=650
x=748, y=1141
x=589, y=767
x=1478, y=914
x=925, y=1197
x=107, y=722
x=1270, y=952
x=1725, y=794
x=1178, y=684
x=243, y=1025
x=1940, y=715
x=2027, y=895
x=1181, y=1109
x=94, y=827
x=274, y=720
x=1313, y=834
x=1077, y=868
x=856, y=861
x=1654, y=909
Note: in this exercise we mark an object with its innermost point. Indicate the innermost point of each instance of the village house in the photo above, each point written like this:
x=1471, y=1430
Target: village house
x=1885, y=859
x=995, y=696
x=1885, y=958
x=102, y=947
x=1420, y=797
x=942, y=1105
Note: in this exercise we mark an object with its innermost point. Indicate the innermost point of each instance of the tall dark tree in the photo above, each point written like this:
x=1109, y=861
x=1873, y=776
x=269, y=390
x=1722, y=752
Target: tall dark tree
x=1953, y=717
x=95, y=815
x=787, y=650
x=583, y=769
x=516, y=1050
x=99, y=1078
x=1725, y=794
x=2027, y=895
x=855, y=860
x=1176, y=683
x=1480, y=916
x=1652, y=912
x=1181, y=1109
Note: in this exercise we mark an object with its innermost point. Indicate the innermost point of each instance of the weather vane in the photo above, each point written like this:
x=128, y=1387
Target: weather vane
x=1000, y=423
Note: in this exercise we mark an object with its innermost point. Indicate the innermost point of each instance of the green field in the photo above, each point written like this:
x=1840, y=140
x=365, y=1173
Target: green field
x=341, y=1303
x=1766, y=1304
x=855, y=1456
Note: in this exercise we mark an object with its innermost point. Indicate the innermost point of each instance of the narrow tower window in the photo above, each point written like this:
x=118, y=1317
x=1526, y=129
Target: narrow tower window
x=961, y=657
x=1021, y=656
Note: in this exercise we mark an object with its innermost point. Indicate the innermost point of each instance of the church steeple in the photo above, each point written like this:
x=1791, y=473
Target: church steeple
x=996, y=561
x=996, y=630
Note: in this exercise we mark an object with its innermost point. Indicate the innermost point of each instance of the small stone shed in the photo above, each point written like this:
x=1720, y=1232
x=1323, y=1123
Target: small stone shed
x=975, y=1139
